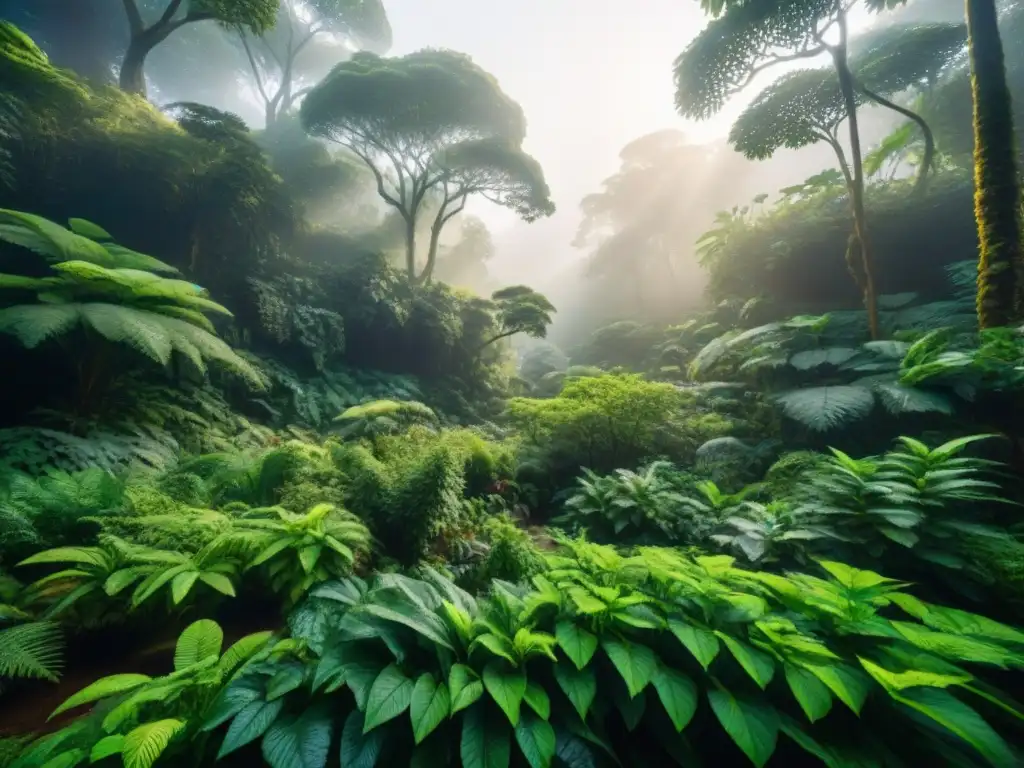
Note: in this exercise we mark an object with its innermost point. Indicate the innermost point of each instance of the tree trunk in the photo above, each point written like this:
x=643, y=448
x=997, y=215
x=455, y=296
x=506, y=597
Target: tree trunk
x=410, y=246
x=435, y=239
x=133, y=74
x=997, y=200
x=860, y=226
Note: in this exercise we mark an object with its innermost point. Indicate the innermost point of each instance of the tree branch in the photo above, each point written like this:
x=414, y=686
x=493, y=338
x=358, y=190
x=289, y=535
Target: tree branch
x=135, y=22
x=169, y=11
x=806, y=53
x=254, y=65
x=929, y=137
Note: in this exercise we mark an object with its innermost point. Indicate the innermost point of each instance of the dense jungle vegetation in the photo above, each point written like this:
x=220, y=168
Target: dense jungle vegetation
x=287, y=478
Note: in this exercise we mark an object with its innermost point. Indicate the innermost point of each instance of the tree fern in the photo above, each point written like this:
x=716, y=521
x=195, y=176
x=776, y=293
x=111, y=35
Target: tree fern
x=56, y=243
x=34, y=649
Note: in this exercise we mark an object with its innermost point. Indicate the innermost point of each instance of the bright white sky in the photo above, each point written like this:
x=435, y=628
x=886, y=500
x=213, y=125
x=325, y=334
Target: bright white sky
x=592, y=75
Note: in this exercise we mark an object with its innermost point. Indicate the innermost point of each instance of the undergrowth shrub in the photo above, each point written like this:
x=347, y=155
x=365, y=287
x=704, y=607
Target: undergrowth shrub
x=655, y=658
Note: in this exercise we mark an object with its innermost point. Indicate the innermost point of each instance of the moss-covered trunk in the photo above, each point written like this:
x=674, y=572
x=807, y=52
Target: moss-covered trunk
x=996, y=183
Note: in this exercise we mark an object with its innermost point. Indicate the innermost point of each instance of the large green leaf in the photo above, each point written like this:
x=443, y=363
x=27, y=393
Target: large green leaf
x=537, y=699
x=824, y=408
x=702, y=643
x=390, y=696
x=813, y=358
x=107, y=686
x=197, y=642
x=635, y=663
x=230, y=702
x=678, y=695
x=485, y=739
x=359, y=749
x=759, y=665
x=949, y=712
x=302, y=742
x=464, y=687
x=507, y=687
x=429, y=707
x=579, y=685
x=812, y=694
x=754, y=727
x=249, y=724
x=143, y=745
x=578, y=644
x=536, y=739
x=851, y=686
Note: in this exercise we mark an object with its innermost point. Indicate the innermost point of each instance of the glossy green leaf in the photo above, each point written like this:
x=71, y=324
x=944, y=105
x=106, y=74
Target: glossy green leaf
x=359, y=750
x=812, y=694
x=507, y=687
x=429, y=706
x=636, y=663
x=949, y=712
x=537, y=699
x=302, y=742
x=753, y=727
x=759, y=665
x=144, y=744
x=106, y=686
x=249, y=724
x=578, y=644
x=390, y=696
x=678, y=695
x=579, y=685
x=464, y=687
x=485, y=739
x=536, y=739
x=702, y=643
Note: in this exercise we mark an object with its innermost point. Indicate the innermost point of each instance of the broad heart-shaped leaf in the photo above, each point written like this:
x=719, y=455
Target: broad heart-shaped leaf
x=390, y=696
x=301, y=742
x=824, y=408
x=536, y=739
x=359, y=750
x=537, y=698
x=429, y=707
x=951, y=713
x=578, y=644
x=106, y=686
x=507, y=687
x=143, y=745
x=197, y=642
x=249, y=724
x=758, y=664
x=579, y=685
x=485, y=739
x=753, y=727
x=635, y=663
x=678, y=695
x=464, y=687
x=812, y=694
x=702, y=643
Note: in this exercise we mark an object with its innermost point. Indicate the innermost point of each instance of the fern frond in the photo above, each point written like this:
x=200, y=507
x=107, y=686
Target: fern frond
x=824, y=408
x=51, y=241
x=33, y=650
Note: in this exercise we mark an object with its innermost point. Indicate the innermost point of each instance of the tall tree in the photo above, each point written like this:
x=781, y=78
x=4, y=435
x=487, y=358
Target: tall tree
x=255, y=15
x=748, y=38
x=307, y=34
x=997, y=192
x=431, y=124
